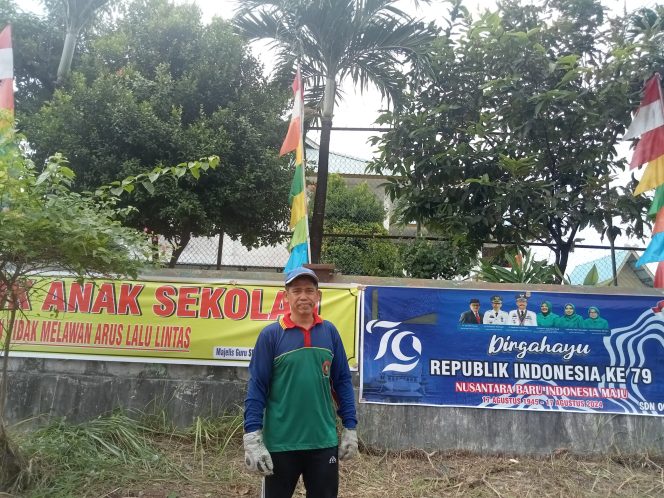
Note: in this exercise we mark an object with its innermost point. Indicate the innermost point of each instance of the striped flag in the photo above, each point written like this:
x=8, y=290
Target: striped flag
x=294, y=141
x=655, y=250
x=6, y=70
x=648, y=124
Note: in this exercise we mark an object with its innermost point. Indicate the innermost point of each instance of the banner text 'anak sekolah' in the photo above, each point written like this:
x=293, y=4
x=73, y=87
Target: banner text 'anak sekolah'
x=507, y=349
x=161, y=320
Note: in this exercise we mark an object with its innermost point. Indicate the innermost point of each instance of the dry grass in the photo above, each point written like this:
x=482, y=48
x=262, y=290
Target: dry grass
x=207, y=461
x=414, y=474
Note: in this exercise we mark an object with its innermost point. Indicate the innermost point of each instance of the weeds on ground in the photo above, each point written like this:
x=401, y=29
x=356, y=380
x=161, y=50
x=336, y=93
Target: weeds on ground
x=123, y=451
x=66, y=459
x=145, y=456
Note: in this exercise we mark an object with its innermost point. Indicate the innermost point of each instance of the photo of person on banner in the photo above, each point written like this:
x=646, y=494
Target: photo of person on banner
x=297, y=371
x=546, y=317
x=521, y=315
x=472, y=316
x=594, y=321
x=570, y=319
x=495, y=316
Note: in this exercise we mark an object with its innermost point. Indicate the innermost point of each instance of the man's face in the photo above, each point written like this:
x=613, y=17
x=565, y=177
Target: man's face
x=521, y=304
x=475, y=307
x=302, y=295
x=496, y=305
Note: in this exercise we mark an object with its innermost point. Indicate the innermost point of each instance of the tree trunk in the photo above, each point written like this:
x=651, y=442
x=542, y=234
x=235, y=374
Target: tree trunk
x=11, y=461
x=318, y=217
x=184, y=240
x=5, y=359
x=67, y=54
x=612, y=243
x=562, y=257
x=220, y=250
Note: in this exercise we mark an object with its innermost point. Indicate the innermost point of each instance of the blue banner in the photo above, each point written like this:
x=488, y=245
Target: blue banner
x=514, y=350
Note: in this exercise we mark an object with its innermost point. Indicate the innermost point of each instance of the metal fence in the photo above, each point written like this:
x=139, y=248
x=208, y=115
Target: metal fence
x=386, y=255
x=385, y=252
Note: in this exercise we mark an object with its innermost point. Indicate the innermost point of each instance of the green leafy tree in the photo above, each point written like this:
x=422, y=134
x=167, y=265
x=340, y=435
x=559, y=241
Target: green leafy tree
x=357, y=211
x=46, y=226
x=159, y=87
x=366, y=41
x=514, y=138
x=439, y=259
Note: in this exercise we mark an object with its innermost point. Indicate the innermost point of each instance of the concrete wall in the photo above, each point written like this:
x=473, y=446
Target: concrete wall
x=509, y=431
x=80, y=390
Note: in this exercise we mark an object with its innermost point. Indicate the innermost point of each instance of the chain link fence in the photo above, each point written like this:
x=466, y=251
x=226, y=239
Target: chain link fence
x=378, y=247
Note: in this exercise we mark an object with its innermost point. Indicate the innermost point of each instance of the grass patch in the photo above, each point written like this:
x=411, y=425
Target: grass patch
x=145, y=456
x=118, y=454
x=66, y=459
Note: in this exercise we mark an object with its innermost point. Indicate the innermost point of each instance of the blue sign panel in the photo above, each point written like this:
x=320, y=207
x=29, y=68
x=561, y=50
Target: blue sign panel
x=513, y=350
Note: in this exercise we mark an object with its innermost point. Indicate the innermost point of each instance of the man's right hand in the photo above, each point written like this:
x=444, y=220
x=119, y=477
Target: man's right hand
x=256, y=456
x=348, y=445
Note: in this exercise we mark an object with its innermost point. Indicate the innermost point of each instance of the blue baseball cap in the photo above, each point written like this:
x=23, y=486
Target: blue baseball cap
x=301, y=272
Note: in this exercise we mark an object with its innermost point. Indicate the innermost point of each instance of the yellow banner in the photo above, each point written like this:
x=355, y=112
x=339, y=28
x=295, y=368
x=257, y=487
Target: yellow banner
x=215, y=323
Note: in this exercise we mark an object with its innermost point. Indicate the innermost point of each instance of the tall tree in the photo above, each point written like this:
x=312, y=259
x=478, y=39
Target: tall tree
x=46, y=226
x=358, y=211
x=159, y=86
x=78, y=13
x=368, y=41
x=514, y=138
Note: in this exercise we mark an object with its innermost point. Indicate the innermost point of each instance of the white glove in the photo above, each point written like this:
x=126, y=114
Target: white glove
x=256, y=456
x=348, y=445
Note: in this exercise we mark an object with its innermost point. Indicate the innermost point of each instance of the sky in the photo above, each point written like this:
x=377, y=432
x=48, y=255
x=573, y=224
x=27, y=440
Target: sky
x=361, y=110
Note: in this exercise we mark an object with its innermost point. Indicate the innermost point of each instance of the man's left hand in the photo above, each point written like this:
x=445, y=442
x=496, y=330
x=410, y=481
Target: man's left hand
x=348, y=445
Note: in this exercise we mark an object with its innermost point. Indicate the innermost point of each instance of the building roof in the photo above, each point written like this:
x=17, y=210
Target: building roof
x=343, y=164
x=624, y=259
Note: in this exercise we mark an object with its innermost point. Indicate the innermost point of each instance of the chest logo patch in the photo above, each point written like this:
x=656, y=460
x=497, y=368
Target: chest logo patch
x=326, y=368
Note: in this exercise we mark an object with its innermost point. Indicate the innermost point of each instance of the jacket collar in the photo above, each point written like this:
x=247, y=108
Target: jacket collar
x=287, y=322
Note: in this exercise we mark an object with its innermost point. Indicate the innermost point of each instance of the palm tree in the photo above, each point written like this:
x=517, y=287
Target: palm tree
x=77, y=14
x=369, y=41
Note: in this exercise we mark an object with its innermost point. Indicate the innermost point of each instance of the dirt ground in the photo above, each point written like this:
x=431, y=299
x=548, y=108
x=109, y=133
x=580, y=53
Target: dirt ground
x=414, y=473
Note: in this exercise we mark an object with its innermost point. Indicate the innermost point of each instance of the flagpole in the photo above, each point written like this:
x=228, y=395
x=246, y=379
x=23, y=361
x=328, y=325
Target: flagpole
x=299, y=247
x=648, y=125
x=304, y=173
x=306, y=199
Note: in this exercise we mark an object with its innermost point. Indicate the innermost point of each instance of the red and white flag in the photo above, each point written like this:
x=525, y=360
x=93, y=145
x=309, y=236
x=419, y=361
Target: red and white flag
x=6, y=70
x=294, y=135
x=648, y=124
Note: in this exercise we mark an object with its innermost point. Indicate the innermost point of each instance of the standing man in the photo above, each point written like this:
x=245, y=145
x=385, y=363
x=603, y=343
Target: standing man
x=495, y=316
x=473, y=314
x=521, y=316
x=298, y=368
